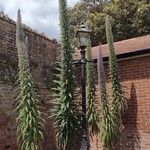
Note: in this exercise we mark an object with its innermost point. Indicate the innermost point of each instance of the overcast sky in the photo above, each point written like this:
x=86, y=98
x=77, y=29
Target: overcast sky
x=41, y=15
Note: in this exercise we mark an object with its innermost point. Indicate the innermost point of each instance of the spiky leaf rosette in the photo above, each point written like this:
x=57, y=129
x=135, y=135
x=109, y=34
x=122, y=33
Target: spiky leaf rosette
x=65, y=110
x=107, y=126
x=118, y=102
x=92, y=109
x=29, y=120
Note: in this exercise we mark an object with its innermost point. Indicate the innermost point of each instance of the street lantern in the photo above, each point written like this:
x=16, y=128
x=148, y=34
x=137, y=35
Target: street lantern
x=83, y=37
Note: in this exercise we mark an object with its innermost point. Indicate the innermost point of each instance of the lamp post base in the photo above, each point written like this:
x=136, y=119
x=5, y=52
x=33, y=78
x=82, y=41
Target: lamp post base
x=84, y=144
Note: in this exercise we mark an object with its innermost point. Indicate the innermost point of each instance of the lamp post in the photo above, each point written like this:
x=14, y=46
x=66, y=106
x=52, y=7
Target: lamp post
x=83, y=36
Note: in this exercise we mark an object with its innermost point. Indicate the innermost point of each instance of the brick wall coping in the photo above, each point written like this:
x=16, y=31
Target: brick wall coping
x=133, y=46
x=11, y=21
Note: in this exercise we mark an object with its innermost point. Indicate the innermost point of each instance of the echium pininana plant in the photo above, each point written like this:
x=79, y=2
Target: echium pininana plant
x=117, y=100
x=107, y=125
x=92, y=109
x=65, y=110
x=117, y=92
x=29, y=120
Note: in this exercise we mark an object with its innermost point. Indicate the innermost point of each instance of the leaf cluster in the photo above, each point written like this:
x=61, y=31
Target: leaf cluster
x=108, y=132
x=65, y=111
x=92, y=104
x=66, y=115
x=29, y=119
x=130, y=18
x=111, y=105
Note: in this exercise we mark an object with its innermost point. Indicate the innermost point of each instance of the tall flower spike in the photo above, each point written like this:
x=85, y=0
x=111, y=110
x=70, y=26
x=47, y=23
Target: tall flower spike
x=101, y=77
x=92, y=109
x=111, y=120
x=26, y=52
x=65, y=110
x=107, y=126
x=29, y=119
x=104, y=107
x=19, y=29
x=117, y=93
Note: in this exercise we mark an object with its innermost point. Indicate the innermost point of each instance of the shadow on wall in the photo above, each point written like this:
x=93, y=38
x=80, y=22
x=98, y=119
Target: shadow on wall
x=132, y=135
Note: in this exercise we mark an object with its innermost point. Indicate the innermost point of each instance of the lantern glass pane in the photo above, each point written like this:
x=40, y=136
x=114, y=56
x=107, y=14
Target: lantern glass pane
x=84, y=37
x=83, y=41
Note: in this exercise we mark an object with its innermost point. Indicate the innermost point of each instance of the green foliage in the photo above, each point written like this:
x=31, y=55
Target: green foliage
x=107, y=125
x=93, y=3
x=130, y=18
x=92, y=110
x=117, y=93
x=111, y=123
x=96, y=22
x=111, y=107
x=65, y=109
x=29, y=120
x=76, y=17
x=78, y=14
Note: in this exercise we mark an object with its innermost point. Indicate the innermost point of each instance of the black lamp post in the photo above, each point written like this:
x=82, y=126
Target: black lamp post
x=83, y=36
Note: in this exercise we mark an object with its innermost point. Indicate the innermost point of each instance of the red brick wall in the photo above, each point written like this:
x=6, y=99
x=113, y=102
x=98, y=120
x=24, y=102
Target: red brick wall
x=135, y=77
x=7, y=119
x=43, y=53
x=134, y=73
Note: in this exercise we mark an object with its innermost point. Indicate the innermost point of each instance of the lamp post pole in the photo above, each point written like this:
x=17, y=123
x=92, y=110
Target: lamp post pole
x=84, y=143
x=83, y=36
